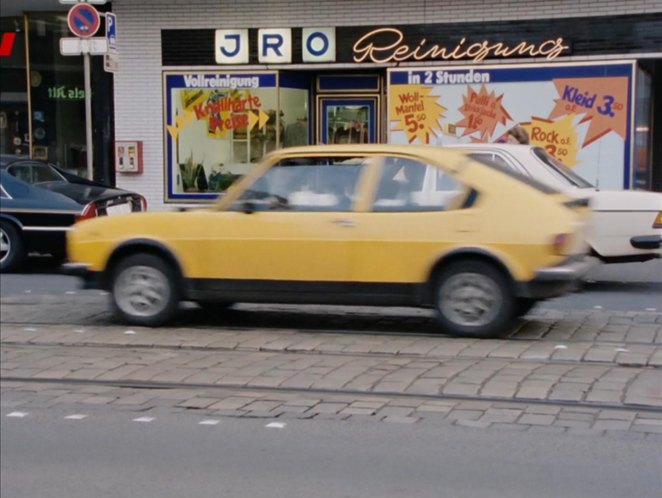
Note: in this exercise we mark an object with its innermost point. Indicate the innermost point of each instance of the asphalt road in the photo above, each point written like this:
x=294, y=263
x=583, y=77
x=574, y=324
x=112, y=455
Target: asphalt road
x=108, y=454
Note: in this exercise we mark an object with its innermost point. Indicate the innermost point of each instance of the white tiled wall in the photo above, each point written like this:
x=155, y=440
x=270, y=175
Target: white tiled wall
x=138, y=86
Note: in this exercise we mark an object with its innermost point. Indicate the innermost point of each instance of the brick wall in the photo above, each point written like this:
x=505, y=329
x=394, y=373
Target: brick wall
x=138, y=85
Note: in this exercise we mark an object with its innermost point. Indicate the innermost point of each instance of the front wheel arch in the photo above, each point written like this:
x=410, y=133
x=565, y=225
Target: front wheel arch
x=142, y=247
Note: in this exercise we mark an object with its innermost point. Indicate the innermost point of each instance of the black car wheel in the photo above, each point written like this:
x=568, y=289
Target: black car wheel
x=474, y=299
x=12, y=250
x=145, y=290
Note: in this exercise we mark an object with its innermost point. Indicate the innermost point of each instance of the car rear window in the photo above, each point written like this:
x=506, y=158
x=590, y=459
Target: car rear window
x=531, y=182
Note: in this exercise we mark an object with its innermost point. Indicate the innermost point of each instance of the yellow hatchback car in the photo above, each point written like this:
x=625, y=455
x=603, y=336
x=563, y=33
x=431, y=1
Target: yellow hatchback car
x=353, y=225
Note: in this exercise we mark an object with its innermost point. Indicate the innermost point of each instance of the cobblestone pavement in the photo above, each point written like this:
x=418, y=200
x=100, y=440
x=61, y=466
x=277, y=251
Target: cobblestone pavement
x=593, y=372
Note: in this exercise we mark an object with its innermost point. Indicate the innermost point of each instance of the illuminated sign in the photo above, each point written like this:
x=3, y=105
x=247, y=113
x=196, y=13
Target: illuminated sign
x=388, y=45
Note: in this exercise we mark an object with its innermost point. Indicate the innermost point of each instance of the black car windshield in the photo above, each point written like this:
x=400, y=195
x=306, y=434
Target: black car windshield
x=33, y=173
x=560, y=170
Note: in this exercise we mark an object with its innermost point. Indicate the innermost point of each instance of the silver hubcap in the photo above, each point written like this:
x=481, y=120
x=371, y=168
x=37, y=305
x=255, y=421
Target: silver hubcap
x=5, y=245
x=141, y=291
x=470, y=299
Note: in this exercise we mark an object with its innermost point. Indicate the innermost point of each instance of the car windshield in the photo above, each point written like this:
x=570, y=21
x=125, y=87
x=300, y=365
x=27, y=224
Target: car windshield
x=560, y=170
x=33, y=173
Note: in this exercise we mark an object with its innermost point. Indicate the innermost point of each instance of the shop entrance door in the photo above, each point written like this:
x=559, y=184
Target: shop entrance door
x=343, y=120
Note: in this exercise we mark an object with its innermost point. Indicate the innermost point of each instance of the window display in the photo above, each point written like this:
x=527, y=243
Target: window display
x=218, y=124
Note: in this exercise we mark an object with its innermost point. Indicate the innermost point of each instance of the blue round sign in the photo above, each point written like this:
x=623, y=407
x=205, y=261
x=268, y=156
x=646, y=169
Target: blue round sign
x=83, y=20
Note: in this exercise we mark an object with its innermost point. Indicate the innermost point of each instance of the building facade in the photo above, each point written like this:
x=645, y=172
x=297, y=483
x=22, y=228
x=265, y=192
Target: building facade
x=205, y=88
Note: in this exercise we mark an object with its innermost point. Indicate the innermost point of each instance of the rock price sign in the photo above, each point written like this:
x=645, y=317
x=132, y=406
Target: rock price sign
x=558, y=137
x=416, y=111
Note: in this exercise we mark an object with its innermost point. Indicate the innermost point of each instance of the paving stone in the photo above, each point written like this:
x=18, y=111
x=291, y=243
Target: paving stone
x=612, y=425
x=400, y=420
x=536, y=419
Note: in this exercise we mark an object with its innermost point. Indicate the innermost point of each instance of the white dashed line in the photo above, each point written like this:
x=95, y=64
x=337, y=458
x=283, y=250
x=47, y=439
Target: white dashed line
x=209, y=422
x=597, y=307
x=28, y=291
x=79, y=331
x=76, y=416
x=622, y=350
x=144, y=419
x=130, y=332
x=560, y=346
x=30, y=329
x=276, y=425
x=651, y=309
x=17, y=414
x=70, y=292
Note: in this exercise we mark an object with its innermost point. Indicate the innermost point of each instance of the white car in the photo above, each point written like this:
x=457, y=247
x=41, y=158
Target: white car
x=626, y=225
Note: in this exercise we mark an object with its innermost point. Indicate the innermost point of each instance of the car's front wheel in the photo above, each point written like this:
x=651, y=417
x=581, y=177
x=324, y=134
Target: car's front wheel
x=145, y=290
x=12, y=249
x=474, y=299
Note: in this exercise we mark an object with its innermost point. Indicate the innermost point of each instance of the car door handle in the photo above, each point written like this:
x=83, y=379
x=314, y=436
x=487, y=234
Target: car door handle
x=345, y=222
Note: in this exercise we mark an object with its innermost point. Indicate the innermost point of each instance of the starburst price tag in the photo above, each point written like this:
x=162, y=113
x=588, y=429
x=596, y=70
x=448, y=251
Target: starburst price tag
x=559, y=137
x=482, y=112
x=416, y=111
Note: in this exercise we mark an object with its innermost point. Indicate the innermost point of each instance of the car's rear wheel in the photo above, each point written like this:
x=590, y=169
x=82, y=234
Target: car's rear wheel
x=12, y=249
x=145, y=290
x=474, y=299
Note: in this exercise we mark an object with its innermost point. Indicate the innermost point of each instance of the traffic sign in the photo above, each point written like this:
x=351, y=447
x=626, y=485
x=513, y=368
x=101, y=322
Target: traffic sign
x=83, y=20
x=111, y=30
x=81, y=46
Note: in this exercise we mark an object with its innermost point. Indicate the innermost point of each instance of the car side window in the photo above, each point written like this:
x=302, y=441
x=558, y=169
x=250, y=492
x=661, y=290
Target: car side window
x=305, y=184
x=34, y=172
x=491, y=157
x=409, y=185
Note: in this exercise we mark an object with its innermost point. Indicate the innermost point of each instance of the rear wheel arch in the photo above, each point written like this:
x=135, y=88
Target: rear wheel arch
x=473, y=254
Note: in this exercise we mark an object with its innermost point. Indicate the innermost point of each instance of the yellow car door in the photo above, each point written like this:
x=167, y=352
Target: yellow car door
x=413, y=218
x=287, y=231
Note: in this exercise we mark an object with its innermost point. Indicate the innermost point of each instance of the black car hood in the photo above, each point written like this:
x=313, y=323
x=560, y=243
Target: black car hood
x=83, y=194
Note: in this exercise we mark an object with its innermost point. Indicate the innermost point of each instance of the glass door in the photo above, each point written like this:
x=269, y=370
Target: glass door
x=343, y=120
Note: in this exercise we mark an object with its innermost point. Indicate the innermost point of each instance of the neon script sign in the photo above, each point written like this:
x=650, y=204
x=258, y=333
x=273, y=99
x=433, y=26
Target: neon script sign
x=395, y=49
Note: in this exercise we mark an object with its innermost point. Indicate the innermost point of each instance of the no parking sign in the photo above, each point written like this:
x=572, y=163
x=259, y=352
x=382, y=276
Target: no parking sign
x=83, y=20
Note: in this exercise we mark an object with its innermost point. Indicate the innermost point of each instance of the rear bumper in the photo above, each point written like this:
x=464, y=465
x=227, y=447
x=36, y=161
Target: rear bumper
x=556, y=280
x=646, y=242
x=91, y=279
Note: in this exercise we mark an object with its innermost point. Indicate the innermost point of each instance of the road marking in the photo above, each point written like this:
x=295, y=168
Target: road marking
x=79, y=331
x=651, y=309
x=597, y=307
x=622, y=350
x=209, y=422
x=17, y=414
x=30, y=329
x=28, y=291
x=276, y=425
x=144, y=419
x=130, y=332
x=70, y=292
x=76, y=416
x=560, y=346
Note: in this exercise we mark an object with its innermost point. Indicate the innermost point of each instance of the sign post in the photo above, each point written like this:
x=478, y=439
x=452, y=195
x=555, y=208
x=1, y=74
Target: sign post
x=84, y=21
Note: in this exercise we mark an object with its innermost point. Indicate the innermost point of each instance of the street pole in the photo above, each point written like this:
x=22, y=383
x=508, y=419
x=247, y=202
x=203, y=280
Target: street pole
x=88, y=115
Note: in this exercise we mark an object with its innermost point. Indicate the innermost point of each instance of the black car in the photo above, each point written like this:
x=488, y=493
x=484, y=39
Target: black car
x=39, y=202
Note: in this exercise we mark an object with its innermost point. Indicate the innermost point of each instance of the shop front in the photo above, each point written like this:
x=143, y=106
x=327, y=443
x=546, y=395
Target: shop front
x=42, y=97
x=261, y=89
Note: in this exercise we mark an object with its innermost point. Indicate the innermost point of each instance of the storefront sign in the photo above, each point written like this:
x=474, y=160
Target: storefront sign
x=274, y=46
x=579, y=113
x=65, y=93
x=389, y=45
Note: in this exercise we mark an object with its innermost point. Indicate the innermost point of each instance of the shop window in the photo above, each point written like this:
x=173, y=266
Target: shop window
x=14, y=122
x=219, y=124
